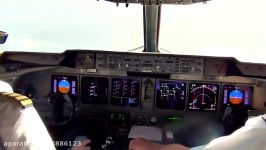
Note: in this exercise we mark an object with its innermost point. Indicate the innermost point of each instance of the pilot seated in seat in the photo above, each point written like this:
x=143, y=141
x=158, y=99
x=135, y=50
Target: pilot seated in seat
x=21, y=128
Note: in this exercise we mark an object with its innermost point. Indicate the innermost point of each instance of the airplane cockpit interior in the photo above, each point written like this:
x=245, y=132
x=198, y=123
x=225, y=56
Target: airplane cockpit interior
x=111, y=97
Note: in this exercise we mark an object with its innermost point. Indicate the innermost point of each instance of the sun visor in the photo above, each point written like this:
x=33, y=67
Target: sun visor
x=20, y=125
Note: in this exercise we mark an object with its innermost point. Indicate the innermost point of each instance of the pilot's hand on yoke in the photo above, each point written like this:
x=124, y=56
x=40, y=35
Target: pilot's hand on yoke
x=143, y=144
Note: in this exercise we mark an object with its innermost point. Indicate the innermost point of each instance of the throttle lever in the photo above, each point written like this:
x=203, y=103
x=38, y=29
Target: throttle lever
x=109, y=142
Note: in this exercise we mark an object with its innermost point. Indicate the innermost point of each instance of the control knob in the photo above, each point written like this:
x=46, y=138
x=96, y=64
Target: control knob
x=109, y=142
x=153, y=120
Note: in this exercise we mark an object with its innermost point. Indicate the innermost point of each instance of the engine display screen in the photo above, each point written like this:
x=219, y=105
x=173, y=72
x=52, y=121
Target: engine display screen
x=65, y=84
x=203, y=96
x=237, y=94
x=125, y=92
x=170, y=94
x=94, y=90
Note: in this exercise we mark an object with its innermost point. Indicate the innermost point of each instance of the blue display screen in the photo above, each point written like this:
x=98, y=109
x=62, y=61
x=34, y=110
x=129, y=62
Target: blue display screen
x=170, y=94
x=125, y=92
x=237, y=94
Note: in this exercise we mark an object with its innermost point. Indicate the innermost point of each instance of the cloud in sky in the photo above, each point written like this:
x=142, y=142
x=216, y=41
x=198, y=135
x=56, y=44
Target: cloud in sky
x=74, y=24
x=2, y=20
x=219, y=28
x=26, y=44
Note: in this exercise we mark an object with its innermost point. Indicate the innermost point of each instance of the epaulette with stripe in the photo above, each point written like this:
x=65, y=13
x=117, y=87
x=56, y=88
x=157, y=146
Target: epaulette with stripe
x=24, y=101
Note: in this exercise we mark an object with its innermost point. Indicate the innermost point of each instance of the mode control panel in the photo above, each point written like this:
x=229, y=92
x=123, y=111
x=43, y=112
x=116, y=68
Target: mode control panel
x=150, y=63
x=85, y=60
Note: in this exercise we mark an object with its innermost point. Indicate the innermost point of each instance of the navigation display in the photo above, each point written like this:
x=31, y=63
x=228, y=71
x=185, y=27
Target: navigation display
x=170, y=94
x=65, y=84
x=125, y=92
x=203, y=96
x=94, y=90
x=237, y=94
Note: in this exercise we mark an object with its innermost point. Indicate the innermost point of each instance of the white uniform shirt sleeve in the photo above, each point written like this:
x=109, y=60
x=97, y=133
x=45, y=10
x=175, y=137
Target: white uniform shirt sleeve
x=250, y=137
x=5, y=87
x=21, y=129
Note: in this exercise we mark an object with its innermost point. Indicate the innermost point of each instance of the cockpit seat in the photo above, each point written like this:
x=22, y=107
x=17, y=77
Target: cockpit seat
x=21, y=128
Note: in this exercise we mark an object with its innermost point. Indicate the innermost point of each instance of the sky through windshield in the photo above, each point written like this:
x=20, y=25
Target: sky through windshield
x=233, y=28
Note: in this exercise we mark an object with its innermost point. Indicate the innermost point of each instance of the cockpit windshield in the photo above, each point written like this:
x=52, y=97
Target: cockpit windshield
x=229, y=28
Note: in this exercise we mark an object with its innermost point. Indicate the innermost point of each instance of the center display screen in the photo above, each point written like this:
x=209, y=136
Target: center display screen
x=94, y=90
x=170, y=94
x=203, y=96
x=125, y=92
x=237, y=94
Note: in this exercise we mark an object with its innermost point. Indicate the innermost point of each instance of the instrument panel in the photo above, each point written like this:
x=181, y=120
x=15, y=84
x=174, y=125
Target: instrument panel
x=148, y=87
x=125, y=89
x=169, y=94
x=115, y=91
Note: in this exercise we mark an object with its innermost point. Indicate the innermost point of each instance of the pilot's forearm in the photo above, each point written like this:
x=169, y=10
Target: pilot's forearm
x=143, y=144
x=175, y=147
